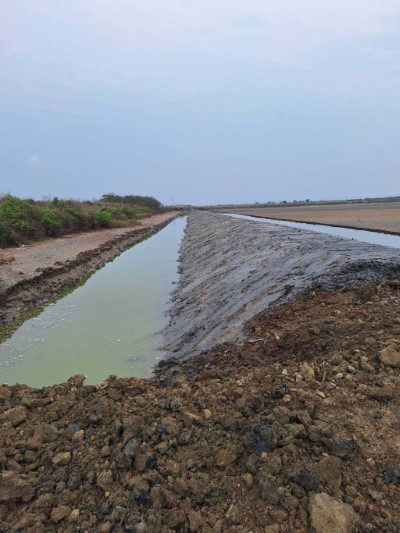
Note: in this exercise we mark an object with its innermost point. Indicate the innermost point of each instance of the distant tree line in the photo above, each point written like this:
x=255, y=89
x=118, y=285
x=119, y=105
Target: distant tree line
x=144, y=201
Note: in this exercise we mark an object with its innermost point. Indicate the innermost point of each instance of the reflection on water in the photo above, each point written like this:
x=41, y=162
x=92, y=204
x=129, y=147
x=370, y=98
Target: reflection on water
x=373, y=237
x=107, y=326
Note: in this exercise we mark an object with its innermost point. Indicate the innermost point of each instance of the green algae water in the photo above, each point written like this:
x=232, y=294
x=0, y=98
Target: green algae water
x=107, y=326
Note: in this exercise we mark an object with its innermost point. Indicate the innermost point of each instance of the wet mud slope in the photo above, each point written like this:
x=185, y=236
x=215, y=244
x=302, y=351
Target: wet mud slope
x=233, y=269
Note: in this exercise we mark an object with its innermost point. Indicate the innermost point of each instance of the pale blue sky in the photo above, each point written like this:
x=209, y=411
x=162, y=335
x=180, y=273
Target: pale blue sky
x=202, y=101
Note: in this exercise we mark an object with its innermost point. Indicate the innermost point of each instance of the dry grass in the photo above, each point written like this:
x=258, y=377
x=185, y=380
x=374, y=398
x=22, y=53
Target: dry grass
x=383, y=217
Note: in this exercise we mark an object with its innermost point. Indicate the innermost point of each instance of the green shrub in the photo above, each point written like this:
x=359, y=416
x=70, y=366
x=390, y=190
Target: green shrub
x=26, y=220
x=52, y=221
x=17, y=218
x=13, y=210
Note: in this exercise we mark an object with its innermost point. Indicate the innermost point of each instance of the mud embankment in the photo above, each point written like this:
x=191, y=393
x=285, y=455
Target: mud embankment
x=232, y=269
x=52, y=278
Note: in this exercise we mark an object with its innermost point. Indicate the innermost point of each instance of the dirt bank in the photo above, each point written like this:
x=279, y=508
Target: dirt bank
x=232, y=269
x=381, y=217
x=294, y=428
x=36, y=273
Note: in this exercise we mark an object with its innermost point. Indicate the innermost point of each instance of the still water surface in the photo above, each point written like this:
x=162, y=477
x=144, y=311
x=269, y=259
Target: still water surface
x=107, y=326
x=373, y=237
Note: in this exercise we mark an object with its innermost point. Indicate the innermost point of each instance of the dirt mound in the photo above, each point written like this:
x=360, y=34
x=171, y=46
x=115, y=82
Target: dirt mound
x=295, y=427
x=232, y=269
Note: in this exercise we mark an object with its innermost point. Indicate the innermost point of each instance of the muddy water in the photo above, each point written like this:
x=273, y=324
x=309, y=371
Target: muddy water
x=107, y=326
x=372, y=237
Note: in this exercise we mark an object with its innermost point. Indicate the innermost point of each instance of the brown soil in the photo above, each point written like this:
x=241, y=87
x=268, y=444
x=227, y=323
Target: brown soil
x=383, y=217
x=248, y=437
x=33, y=274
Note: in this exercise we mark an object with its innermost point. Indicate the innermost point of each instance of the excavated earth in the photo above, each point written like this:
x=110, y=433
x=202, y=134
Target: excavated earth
x=291, y=425
x=232, y=269
x=293, y=429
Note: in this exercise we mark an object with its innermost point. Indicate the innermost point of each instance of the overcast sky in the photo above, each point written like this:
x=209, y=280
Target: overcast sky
x=202, y=101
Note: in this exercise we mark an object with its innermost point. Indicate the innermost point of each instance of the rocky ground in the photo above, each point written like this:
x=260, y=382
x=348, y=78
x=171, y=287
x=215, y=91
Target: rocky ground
x=293, y=428
x=33, y=274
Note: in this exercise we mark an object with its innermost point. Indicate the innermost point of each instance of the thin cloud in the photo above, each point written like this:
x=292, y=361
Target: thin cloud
x=34, y=160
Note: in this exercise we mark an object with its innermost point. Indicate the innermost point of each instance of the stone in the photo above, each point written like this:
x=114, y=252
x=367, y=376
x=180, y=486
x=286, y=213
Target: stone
x=391, y=476
x=106, y=527
x=15, y=416
x=351, y=491
x=181, y=487
x=269, y=490
x=78, y=436
x=273, y=528
x=61, y=459
x=14, y=487
x=130, y=448
x=389, y=356
x=199, y=484
x=105, y=479
x=330, y=515
x=59, y=513
x=195, y=521
x=329, y=473
x=226, y=456
x=307, y=372
x=273, y=463
x=261, y=439
x=364, y=365
x=343, y=448
x=72, y=429
x=367, y=291
x=279, y=515
x=232, y=515
x=172, y=426
x=74, y=516
x=140, y=527
x=307, y=480
x=382, y=394
x=248, y=480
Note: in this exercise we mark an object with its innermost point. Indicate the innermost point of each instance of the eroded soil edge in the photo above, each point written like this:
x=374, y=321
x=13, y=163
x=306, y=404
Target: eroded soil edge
x=50, y=282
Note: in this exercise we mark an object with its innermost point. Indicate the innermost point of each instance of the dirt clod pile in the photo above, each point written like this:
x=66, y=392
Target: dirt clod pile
x=294, y=428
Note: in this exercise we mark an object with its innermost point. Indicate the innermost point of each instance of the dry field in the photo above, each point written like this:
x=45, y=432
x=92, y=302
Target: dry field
x=381, y=217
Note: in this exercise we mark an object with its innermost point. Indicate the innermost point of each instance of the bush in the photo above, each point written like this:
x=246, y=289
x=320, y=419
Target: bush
x=152, y=204
x=52, y=221
x=25, y=220
x=17, y=218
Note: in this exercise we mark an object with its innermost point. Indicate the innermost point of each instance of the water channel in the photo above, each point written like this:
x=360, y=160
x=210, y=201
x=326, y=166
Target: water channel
x=106, y=326
x=372, y=237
